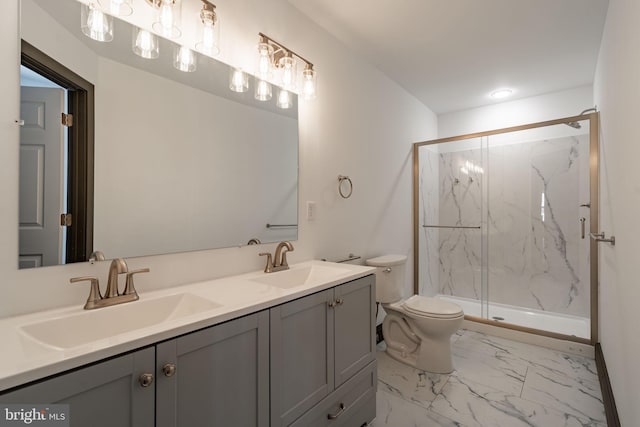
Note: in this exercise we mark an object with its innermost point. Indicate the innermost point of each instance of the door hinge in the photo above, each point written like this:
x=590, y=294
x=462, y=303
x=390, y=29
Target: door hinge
x=66, y=220
x=67, y=120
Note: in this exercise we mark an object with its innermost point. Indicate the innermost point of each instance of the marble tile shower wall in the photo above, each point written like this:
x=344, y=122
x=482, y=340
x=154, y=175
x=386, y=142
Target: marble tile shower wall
x=537, y=258
x=429, y=239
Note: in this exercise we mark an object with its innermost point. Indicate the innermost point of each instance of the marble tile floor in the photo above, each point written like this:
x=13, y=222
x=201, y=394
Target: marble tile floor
x=496, y=382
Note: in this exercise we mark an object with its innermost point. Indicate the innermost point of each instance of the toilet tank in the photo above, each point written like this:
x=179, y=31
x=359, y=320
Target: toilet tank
x=389, y=277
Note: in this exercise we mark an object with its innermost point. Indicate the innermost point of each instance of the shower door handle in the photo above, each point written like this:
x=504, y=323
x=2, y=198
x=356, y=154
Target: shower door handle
x=582, y=222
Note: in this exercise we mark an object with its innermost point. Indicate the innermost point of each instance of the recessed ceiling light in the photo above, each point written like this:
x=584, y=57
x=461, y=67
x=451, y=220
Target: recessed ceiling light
x=501, y=93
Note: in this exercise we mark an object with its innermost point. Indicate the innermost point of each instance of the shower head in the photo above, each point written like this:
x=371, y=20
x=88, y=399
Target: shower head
x=577, y=125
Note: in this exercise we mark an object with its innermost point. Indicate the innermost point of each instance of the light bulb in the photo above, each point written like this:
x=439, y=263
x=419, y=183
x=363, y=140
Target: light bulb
x=145, y=44
x=309, y=84
x=208, y=43
x=184, y=59
x=167, y=20
x=263, y=91
x=264, y=60
x=288, y=65
x=238, y=80
x=95, y=24
x=284, y=99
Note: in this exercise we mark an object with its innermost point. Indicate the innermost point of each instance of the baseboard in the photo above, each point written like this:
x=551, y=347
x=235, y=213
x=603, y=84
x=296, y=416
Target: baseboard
x=607, y=392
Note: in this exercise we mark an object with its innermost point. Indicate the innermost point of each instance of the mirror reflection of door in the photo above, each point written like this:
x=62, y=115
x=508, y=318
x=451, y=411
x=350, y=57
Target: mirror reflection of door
x=56, y=163
x=42, y=172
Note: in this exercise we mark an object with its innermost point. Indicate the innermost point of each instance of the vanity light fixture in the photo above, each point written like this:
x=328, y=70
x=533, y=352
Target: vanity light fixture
x=209, y=31
x=184, y=59
x=168, y=17
x=94, y=23
x=274, y=54
x=145, y=44
x=262, y=90
x=238, y=80
x=120, y=7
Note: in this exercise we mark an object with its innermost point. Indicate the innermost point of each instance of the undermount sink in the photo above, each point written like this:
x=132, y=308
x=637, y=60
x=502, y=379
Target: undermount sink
x=79, y=329
x=299, y=276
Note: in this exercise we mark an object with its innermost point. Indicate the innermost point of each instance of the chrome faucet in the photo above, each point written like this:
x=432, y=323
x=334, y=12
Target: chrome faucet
x=279, y=258
x=112, y=296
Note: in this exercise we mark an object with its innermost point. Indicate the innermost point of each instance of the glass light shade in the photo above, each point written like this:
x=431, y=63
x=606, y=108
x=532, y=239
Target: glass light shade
x=238, y=80
x=145, y=43
x=265, y=55
x=168, y=18
x=289, y=72
x=184, y=59
x=262, y=91
x=209, y=34
x=120, y=7
x=309, y=84
x=284, y=99
x=95, y=23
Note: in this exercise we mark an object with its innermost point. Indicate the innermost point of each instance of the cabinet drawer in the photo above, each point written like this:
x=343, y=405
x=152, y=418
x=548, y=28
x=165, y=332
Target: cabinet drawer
x=352, y=401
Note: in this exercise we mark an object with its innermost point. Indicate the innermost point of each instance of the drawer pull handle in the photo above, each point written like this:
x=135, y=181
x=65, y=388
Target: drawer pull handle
x=145, y=380
x=169, y=369
x=337, y=414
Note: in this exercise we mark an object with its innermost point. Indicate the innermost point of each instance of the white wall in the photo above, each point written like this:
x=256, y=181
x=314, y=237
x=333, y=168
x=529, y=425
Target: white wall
x=617, y=93
x=550, y=106
x=361, y=125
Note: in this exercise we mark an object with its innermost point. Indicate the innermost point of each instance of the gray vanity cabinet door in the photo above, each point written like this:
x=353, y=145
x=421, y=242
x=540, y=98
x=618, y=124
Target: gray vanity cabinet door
x=301, y=356
x=221, y=376
x=106, y=394
x=354, y=327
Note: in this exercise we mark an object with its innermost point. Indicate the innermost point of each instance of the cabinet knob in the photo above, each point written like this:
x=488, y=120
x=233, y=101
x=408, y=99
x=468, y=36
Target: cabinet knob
x=169, y=369
x=145, y=380
x=331, y=304
x=339, y=301
x=337, y=414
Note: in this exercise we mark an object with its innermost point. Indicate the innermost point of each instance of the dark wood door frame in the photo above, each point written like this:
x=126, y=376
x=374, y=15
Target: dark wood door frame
x=80, y=95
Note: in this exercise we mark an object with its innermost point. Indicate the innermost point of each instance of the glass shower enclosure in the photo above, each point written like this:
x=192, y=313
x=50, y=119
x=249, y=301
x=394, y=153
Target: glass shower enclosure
x=502, y=225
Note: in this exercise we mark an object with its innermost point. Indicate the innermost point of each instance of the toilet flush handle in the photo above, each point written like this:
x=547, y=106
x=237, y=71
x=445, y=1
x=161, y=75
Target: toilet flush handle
x=387, y=270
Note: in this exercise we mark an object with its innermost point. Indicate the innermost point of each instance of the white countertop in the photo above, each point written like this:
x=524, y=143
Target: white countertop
x=24, y=359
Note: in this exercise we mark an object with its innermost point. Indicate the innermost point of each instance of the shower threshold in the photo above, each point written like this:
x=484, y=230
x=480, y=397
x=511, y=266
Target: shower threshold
x=559, y=323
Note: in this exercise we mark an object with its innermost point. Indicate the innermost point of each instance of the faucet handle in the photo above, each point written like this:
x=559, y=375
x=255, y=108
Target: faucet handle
x=129, y=289
x=269, y=267
x=94, y=293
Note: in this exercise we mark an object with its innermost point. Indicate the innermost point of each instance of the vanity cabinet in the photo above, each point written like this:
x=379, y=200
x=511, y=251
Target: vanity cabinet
x=323, y=357
x=105, y=394
x=305, y=363
x=215, y=377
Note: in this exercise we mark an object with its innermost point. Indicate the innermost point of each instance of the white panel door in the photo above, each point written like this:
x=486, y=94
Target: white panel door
x=41, y=150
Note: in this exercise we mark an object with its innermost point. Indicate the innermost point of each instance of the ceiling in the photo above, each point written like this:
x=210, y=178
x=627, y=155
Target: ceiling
x=451, y=54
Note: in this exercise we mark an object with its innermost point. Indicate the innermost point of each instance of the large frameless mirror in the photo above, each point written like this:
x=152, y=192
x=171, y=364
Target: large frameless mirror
x=180, y=162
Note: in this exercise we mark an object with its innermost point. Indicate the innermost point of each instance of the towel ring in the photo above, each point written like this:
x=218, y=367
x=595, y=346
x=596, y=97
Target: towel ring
x=341, y=179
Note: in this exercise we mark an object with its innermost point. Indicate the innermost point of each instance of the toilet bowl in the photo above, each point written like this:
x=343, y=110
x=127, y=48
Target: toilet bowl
x=417, y=330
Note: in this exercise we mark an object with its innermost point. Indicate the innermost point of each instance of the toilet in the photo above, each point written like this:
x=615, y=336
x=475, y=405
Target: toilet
x=417, y=330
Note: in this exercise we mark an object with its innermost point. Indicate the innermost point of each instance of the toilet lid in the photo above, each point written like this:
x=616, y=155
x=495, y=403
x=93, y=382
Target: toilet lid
x=432, y=307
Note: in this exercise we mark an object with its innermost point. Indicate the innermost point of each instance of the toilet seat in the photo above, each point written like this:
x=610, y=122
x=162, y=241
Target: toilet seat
x=420, y=306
